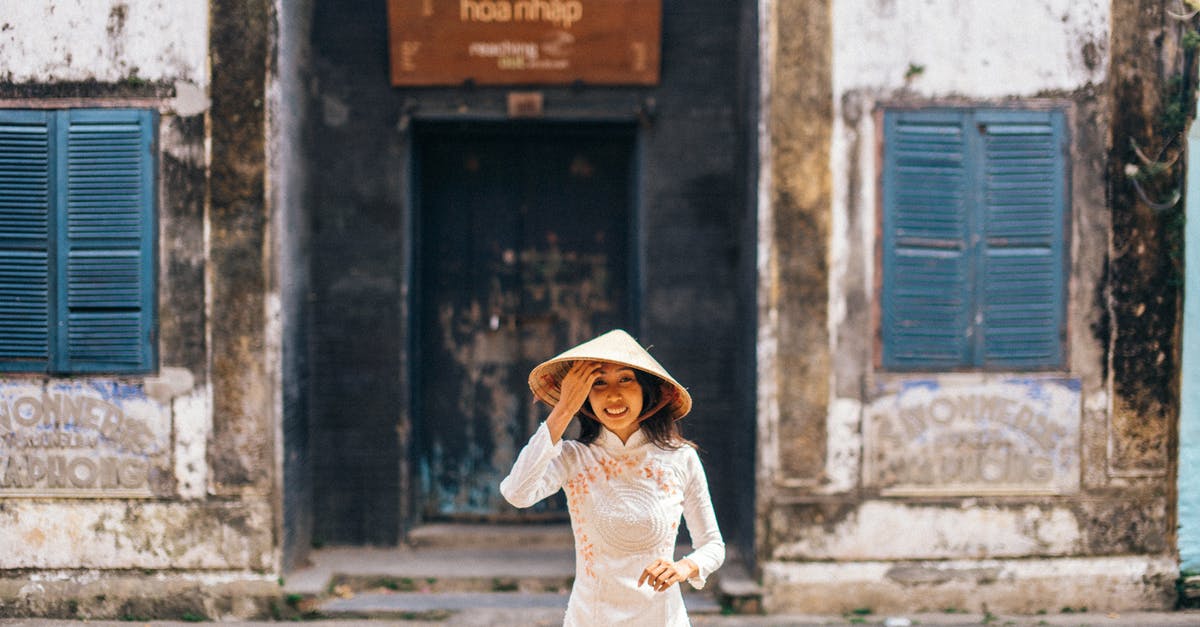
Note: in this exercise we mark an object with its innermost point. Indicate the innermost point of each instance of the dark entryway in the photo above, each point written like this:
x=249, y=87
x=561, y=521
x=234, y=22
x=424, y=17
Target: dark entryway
x=693, y=221
x=522, y=248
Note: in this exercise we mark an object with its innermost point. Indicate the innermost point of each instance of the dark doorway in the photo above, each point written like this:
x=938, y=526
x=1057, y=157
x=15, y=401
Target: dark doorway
x=523, y=248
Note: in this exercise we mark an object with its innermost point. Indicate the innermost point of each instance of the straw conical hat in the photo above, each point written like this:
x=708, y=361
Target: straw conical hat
x=617, y=347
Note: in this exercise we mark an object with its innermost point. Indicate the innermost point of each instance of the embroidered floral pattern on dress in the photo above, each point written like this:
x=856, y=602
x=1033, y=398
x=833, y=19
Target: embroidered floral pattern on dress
x=615, y=466
x=578, y=487
x=587, y=553
x=664, y=477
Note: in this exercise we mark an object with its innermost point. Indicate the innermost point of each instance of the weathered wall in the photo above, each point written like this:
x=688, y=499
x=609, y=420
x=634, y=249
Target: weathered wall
x=358, y=331
x=1147, y=242
x=287, y=118
x=1153, y=94
x=206, y=511
x=840, y=498
x=692, y=172
x=109, y=41
x=241, y=455
x=793, y=235
x=693, y=217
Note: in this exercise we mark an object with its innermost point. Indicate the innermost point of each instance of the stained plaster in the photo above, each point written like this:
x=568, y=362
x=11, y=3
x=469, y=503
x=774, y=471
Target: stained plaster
x=918, y=52
x=48, y=41
x=1025, y=586
x=150, y=51
x=872, y=55
x=114, y=535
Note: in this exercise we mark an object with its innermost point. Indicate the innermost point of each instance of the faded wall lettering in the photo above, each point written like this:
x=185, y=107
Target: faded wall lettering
x=101, y=440
x=950, y=436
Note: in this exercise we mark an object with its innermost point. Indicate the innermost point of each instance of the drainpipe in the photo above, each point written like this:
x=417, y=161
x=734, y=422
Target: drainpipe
x=1189, y=414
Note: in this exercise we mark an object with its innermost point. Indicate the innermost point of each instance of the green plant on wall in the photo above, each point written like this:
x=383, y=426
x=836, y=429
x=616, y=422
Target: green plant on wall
x=1157, y=172
x=1187, y=589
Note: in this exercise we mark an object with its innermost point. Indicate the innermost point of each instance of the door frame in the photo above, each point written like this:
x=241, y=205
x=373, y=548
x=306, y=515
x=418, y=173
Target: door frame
x=420, y=130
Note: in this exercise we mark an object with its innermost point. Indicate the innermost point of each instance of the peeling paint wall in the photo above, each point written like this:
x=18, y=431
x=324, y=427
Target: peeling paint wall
x=204, y=515
x=970, y=49
x=1146, y=248
x=148, y=535
x=863, y=466
x=105, y=41
x=287, y=115
x=241, y=454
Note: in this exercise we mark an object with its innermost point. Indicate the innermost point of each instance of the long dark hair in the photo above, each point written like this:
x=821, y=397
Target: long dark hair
x=660, y=428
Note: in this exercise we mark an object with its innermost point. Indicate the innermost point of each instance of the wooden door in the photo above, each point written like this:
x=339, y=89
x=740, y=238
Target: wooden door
x=523, y=250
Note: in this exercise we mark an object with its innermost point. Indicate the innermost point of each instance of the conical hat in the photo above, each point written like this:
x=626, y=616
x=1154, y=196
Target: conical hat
x=617, y=347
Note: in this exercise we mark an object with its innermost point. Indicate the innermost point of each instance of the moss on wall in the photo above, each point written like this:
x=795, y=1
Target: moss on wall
x=240, y=454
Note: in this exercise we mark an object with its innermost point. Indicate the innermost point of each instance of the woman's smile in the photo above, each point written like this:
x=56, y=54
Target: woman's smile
x=616, y=399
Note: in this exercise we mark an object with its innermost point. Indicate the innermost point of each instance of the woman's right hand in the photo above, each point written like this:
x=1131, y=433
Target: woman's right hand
x=574, y=390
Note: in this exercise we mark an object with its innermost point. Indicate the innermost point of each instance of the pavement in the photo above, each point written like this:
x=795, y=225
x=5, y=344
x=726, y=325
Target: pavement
x=498, y=617
x=491, y=575
x=463, y=576
x=475, y=575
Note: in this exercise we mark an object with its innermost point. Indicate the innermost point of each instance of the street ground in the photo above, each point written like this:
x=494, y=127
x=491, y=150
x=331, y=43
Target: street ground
x=547, y=617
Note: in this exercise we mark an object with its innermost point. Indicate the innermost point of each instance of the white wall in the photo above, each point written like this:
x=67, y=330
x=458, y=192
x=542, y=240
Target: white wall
x=49, y=41
x=972, y=48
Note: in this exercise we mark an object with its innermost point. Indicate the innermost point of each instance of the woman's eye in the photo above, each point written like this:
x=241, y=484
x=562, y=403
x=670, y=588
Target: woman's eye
x=597, y=383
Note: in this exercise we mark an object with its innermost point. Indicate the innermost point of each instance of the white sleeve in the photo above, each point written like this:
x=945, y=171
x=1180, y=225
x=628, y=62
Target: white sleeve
x=538, y=472
x=708, y=548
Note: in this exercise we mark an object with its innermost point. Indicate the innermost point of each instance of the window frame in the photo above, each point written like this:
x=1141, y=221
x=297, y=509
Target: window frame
x=974, y=116
x=101, y=267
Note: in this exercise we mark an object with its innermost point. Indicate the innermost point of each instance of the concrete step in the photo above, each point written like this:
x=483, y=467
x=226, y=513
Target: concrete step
x=435, y=606
x=446, y=569
x=489, y=536
x=450, y=570
x=450, y=583
x=736, y=589
x=439, y=605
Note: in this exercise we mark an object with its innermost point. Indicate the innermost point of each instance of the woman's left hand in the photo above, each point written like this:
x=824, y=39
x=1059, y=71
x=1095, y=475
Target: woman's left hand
x=662, y=574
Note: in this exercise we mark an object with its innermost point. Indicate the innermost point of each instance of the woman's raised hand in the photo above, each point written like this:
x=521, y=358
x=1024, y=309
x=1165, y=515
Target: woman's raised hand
x=576, y=385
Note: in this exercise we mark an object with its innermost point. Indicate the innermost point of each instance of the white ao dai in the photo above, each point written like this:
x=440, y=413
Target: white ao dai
x=625, y=501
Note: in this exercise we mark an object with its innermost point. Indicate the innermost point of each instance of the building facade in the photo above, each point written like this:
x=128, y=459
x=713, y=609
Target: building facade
x=968, y=331
x=143, y=318
x=272, y=280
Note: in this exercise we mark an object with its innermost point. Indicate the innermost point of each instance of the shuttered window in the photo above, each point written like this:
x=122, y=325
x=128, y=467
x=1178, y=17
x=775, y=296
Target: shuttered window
x=77, y=226
x=974, y=267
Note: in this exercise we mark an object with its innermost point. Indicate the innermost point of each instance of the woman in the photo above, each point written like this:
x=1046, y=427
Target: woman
x=628, y=478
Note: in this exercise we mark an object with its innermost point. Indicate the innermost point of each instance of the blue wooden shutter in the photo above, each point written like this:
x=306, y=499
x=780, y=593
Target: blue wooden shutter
x=926, y=298
x=26, y=222
x=1023, y=200
x=106, y=272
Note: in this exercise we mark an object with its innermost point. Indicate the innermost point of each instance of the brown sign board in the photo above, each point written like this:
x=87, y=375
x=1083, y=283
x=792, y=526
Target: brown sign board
x=524, y=42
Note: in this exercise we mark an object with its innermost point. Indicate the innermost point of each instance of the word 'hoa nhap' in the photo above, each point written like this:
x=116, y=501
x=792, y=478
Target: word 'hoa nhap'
x=562, y=13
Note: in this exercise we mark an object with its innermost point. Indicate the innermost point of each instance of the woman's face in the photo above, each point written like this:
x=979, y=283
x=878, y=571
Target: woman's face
x=616, y=399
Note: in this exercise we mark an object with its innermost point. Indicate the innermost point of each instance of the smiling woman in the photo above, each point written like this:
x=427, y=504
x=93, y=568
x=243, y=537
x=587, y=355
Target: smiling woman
x=628, y=479
x=616, y=399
